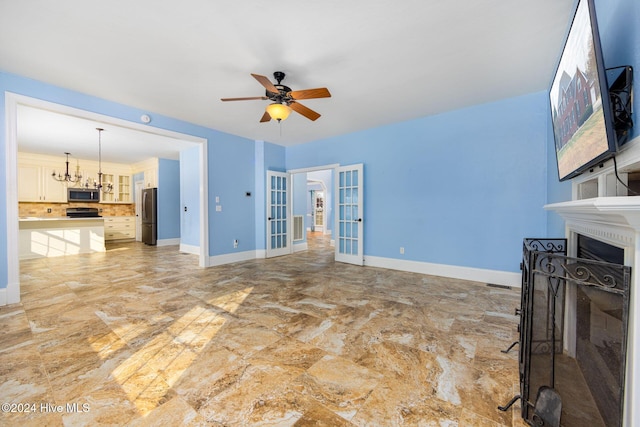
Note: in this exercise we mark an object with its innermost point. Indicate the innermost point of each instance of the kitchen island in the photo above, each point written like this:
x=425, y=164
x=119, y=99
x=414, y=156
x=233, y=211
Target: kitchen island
x=59, y=236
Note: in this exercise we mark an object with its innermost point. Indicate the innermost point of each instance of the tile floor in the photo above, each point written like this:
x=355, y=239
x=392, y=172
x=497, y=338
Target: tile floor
x=143, y=336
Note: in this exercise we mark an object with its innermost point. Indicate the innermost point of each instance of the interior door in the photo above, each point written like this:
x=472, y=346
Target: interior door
x=278, y=238
x=349, y=224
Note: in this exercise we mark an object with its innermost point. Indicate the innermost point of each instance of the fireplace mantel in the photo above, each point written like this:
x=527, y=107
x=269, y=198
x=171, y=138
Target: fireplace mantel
x=607, y=211
x=615, y=220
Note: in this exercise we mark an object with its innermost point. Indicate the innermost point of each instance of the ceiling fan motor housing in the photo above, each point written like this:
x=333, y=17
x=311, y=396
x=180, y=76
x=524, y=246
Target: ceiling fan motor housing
x=283, y=91
x=279, y=76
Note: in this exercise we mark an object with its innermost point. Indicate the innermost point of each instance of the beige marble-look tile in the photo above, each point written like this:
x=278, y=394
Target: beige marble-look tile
x=214, y=371
x=23, y=377
x=482, y=392
x=257, y=396
x=290, y=353
x=386, y=407
x=338, y=384
x=244, y=337
x=471, y=419
x=144, y=336
x=175, y=412
x=408, y=392
x=107, y=406
x=35, y=417
x=316, y=415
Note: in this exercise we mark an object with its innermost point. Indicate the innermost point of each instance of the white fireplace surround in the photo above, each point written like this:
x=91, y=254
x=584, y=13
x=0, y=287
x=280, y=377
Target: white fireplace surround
x=616, y=221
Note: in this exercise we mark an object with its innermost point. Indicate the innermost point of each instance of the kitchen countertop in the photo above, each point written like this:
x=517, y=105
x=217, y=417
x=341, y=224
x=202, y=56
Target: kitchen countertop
x=58, y=218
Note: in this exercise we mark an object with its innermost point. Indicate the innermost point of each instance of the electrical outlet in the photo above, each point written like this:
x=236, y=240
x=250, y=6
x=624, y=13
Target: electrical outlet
x=401, y=250
x=48, y=210
x=235, y=243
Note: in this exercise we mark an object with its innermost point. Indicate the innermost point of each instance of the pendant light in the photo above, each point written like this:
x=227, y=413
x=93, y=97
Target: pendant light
x=107, y=187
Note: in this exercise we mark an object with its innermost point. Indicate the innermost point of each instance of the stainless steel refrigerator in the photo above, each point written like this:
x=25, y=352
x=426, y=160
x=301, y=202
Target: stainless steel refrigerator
x=149, y=216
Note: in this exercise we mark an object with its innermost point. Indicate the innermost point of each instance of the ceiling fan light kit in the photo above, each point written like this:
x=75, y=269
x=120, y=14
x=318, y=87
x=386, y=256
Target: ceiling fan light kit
x=284, y=99
x=278, y=111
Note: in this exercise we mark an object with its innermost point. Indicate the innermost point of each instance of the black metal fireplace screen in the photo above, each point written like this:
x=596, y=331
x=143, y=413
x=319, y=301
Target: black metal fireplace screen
x=573, y=329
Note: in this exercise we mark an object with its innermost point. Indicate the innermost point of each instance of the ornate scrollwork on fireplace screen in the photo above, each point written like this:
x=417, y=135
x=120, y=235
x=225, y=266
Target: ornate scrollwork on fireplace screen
x=601, y=289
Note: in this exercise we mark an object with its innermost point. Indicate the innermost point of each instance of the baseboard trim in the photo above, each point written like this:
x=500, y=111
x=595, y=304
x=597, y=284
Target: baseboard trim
x=299, y=247
x=10, y=294
x=169, y=242
x=504, y=278
x=190, y=249
x=231, y=258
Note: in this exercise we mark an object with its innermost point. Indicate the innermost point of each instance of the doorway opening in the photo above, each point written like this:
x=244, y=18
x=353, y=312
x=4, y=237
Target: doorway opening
x=331, y=200
x=13, y=103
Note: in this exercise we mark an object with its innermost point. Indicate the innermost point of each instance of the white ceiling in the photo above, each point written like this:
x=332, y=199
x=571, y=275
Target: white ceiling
x=383, y=61
x=49, y=132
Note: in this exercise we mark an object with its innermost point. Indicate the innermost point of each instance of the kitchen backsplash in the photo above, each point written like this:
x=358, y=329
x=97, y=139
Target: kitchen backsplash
x=60, y=209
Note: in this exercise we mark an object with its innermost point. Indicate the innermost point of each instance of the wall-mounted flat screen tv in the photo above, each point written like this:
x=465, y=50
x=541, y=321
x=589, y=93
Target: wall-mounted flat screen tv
x=579, y=97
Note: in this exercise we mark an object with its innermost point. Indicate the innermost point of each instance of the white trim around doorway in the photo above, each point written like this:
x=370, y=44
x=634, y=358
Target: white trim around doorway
x=11, y=294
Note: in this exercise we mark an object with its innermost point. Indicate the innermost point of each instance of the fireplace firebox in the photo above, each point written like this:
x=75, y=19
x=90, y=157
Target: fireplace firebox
x=573, y=333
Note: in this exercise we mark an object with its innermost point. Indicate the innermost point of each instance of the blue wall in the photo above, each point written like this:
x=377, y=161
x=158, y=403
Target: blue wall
x=168, y=199
x=231, y=176
x=462, y=188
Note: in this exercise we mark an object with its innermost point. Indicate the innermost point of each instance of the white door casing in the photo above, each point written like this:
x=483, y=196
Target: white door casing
x=139, y=186
x=348, y=212
x=277, y=229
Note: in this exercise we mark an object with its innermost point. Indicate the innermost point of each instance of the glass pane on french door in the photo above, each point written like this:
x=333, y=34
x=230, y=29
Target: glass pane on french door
x=277, y=214
x=349, y=224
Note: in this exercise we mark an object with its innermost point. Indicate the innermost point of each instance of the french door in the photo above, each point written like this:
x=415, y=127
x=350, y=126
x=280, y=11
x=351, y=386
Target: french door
x=278, y=242
x=349, y=226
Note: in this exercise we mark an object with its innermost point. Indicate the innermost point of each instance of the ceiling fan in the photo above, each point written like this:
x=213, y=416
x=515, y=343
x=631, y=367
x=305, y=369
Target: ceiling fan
x=284, y=99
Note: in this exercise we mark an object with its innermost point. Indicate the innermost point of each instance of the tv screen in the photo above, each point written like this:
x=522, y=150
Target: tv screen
x=580, y=106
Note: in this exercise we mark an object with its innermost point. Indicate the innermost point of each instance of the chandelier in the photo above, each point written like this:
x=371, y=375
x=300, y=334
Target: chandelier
x=76, y=178
x=106, y=187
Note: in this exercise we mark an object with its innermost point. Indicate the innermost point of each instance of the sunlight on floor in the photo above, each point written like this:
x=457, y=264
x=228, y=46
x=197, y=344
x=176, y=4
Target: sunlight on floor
x=118, y=249
x=232, y=301
x=155, y=368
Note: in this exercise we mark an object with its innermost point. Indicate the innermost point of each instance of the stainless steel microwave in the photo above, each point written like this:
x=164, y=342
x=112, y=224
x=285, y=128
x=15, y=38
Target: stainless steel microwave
x=83, y=195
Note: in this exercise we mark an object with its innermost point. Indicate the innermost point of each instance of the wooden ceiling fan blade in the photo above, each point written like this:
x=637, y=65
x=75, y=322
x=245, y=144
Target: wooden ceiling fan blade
x=264, y=81
x=244, y=99
x=265, y=117
x=307, y=112
x=320, y=92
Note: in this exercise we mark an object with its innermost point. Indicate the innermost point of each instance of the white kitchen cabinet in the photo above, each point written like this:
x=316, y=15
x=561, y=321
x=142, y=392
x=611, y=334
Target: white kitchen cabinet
x=151, y=178
x=121, y=188
x=119, y=228
x=124, y=188
x=149, y=168
x=35, y=184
